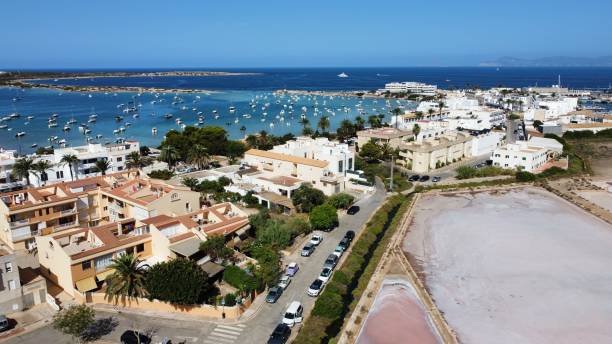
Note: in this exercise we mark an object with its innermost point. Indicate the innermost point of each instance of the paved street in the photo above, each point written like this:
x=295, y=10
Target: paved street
x=254, y=330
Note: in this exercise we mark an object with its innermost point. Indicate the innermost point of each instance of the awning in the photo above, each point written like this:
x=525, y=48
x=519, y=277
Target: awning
x=86, y=284
x=186, y=248
x=102, y=275
x=212, y=268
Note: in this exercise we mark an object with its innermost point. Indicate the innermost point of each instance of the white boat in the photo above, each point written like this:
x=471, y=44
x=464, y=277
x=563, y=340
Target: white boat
x=66, y=128
x=20, y=134
x=53, y=125
x=34, y=145
x=343, y=75
x=154, y=131
x=232, y=109
x=3, y=126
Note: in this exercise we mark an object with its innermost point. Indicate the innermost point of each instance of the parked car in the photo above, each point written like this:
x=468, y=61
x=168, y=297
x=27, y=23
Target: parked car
x=133, y=337
x=293, y=314
x=308, y=249
x=292, y=269
x=424, y=179
x=350, y=235
x=338, y=251
x=331, y=261
x=280, y=335
x=315, y=287
x=344, y=243
x=435, y=179
x=4, y=323
x=325, y=274
x=274, y=294
x=284, y=282
x=352, y=210
x=414, y=178
x=316, y=239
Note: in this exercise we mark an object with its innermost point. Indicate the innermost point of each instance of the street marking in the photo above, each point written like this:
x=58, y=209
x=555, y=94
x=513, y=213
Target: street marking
x=241, y=325
x=223, y=335
x=230, y=327
x=218, y=340
x=222, y=330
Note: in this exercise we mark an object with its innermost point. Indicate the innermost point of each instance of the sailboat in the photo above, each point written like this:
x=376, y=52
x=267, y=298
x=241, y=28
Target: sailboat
x=343, y=75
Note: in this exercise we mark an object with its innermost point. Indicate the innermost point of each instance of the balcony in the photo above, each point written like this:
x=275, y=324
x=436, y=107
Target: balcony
x=64, y=226
x=24, y=236
x=68, y=211
x=19, y=223
x=331, y=178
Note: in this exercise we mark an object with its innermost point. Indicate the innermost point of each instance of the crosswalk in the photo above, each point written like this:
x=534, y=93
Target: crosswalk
x=225, y=334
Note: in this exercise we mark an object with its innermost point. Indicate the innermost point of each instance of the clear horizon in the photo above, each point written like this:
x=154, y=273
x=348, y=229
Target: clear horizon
x=154, y=34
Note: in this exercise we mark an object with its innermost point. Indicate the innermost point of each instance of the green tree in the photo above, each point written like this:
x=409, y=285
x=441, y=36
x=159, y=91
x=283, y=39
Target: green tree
x=416, y=130
x=307, y=131
x=359, y=123
x=40, y=170
x=234, y=149
x=374, y=121
x=306, y=197
x=215, y=248
x=274, y=235
x=179, y=281
x=191, y=183
x=169, y=155
x=370, y=151
x=304, y=122
x=198, y=156
x=239, y=279
x=74, y=320
x=161, y=174
x=323, y=217
x=323, y=123
x=340, y=200
x=268, y=264
x=102, y=166
x=23, y=167
x=346, y=130
x=134, y=160
x=128, y=279
x=71, y=160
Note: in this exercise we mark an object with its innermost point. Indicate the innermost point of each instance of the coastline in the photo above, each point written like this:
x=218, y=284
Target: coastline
x=359, y=94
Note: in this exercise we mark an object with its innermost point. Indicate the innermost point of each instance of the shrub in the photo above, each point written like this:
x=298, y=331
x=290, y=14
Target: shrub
x=230, y=300
x=161, y=174
x=239, y=279
x=323, y=217
x=179, y=281
x=341, y=200
x=306, y=197
x=523, y=176
x=74, y=321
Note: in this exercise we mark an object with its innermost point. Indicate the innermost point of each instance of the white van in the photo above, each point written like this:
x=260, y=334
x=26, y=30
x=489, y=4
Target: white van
x=294, y=314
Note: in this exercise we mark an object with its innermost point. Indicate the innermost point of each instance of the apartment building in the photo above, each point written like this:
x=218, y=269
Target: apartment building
x=520, y=155
x=410, y=87
x=80, y=260
x=7, y=181
x=432, y=153
x=50, y=209
x=282, y=173
x=19, y=288
x=391, y=136
x=87, y=156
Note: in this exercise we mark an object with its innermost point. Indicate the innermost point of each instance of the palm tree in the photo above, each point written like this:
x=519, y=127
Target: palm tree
x=22, y=168
x=381, y=118
x=304, y=122
x=251, y=140
x=134, y=160
x=71, y=160
x=441, y=106
x=128, y=280
x=386, y=150
x=199, y=156
x=169, y=154
x=307, y=131
x=416, y=130
x=191, y=183
x=431, y=111
x=323, y=123
x=359, y=123
x=40, y=168
x=102, y=166
x=243, y=130
x=374, y=121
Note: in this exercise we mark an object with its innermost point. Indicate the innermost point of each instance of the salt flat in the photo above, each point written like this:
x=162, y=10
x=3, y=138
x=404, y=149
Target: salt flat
x=520, y=266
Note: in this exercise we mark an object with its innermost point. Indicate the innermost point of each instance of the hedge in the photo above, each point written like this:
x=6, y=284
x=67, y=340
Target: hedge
x=344, y=290
x=239, y=279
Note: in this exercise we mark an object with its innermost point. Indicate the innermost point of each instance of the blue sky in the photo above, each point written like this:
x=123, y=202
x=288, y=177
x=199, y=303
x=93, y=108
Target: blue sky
x=236, y=33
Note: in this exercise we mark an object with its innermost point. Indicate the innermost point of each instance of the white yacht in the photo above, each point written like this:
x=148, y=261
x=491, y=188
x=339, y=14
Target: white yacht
x=343, y=75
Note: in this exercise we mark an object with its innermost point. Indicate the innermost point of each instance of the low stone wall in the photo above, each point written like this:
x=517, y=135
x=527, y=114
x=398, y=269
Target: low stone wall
x=157, y=306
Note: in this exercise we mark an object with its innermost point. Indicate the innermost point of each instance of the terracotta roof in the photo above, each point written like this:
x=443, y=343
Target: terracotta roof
x=287, y=157
x=181, y=237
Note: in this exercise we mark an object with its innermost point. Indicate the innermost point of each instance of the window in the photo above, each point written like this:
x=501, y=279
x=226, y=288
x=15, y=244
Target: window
x=507, y=156
x=102, y=262
x=59, y=174
x=340, y=166
x=8, y=266
x=350, y=164
x=86, y=265
x=139, y=248
x=119, y=159
x=524, y=158
x=11, y=285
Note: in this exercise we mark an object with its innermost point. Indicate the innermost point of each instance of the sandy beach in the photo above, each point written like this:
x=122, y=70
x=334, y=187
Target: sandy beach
x=519, y=266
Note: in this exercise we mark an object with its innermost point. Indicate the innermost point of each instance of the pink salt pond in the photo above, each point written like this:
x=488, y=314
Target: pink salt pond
x=397, y=316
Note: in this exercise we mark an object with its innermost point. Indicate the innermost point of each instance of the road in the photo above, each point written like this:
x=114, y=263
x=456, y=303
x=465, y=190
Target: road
x=255, y=330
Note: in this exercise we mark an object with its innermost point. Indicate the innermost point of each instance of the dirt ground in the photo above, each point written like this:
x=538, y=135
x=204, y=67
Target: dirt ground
x=519, y=266
x=601, y=160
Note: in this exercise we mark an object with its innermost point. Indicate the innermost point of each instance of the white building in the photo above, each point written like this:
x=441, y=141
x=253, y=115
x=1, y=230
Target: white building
x=8, y=182
x=486, y=143
x=410, y=87
x=339, y=156
x=116, y=154
x=544, y=110
x=527, y=155
x=479, y=119
x=434, y=153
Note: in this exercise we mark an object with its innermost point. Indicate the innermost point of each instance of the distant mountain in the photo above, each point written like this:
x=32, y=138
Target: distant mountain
x=554, y=61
